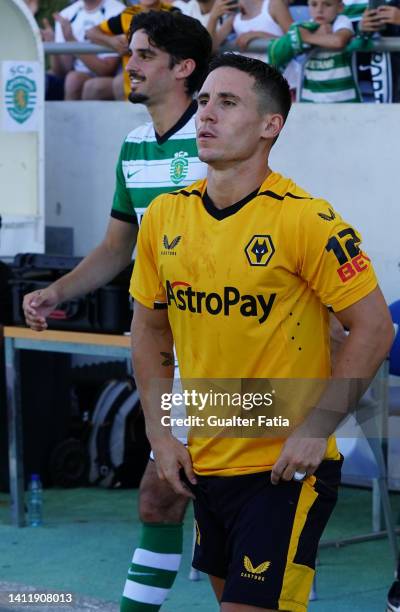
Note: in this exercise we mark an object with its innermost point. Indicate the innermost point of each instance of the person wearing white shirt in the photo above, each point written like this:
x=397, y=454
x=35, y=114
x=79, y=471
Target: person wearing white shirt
x=71, y=26
x=198, y=9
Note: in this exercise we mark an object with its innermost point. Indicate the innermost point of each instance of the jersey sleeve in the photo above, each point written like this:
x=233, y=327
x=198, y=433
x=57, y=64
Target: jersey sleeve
x=146, y=286
x=112, y=26
x=342, y=23
x=331, y=260
x=122, y=207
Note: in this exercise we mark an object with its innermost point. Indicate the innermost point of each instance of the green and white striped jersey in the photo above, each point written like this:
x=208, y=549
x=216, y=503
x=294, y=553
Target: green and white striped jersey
x=328, y=76
x=149, y=165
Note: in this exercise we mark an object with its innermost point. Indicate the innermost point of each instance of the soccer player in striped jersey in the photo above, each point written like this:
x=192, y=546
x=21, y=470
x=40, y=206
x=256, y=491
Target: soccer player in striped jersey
x=169, y=57
x=256, y=263
x=328, y=74
x=113, y=33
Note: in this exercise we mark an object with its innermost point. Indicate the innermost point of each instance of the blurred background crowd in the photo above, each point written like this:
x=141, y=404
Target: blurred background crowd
x=326, y=48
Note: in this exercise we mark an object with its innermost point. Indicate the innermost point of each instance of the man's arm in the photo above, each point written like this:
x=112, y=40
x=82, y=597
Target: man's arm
x=99, y=267
x=59, y=64
x=119, y=43
x=279, y=11
x=357, y=361
x=100, y=66
x=218, y=32
x=325, y=38
x=153, y=364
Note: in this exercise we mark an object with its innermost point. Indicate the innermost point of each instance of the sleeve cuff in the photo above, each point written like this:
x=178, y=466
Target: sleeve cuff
x=145, y=301
x=352, y=297
x=121, y=216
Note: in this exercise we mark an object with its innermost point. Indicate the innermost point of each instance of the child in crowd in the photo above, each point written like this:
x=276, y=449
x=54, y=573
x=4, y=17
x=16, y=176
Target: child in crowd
x=328, y=72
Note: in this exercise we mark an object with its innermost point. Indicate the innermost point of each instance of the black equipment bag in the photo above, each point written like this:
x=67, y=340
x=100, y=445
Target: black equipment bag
x=105, y=310
x=118, y=447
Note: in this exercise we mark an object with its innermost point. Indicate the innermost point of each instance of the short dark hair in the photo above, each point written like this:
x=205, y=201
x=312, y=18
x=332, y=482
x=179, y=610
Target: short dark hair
x=179, y=35
x=272, y=88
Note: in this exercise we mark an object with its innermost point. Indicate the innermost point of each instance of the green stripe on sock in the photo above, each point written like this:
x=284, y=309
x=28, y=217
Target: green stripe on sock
x=127, y=605
x=158, y=538
x=162, y=537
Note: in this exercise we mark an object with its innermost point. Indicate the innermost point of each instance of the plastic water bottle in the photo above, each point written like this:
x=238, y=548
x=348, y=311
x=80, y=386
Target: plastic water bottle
x=35, y=501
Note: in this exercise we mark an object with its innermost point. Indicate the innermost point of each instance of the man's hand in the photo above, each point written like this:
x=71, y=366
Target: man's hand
x=171, y=456
x=220, y=8
x=65, y=27
x=371, y=21
x=119, y=44
x=38, y=305
x=389, y=14
x=299, y=454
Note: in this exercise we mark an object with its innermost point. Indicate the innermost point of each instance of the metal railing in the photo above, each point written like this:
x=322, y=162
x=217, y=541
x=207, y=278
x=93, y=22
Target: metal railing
x=379, y=45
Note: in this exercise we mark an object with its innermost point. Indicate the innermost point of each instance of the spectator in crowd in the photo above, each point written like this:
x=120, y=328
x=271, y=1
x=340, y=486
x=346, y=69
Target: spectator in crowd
x=378, y=72
x=43, y=11
x=198, y=9
x=374, y=20
x=112, y=32
x=260, y=19
x=249, y=20
x=71, y=26
x=328, y=72
x=385, y=20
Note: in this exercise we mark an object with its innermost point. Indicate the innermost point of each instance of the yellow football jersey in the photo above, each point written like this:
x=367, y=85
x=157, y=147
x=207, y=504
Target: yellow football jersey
x=247, y=290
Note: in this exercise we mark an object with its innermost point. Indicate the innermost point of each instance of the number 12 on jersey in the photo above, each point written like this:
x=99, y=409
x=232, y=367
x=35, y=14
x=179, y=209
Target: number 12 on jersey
x=347, y=252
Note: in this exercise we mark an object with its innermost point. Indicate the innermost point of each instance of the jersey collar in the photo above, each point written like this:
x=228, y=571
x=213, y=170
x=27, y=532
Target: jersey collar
x=188, y=114
x=222, y=213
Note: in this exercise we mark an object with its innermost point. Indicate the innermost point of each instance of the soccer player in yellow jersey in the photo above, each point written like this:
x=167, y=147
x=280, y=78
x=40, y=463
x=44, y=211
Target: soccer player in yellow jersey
x=239, y=270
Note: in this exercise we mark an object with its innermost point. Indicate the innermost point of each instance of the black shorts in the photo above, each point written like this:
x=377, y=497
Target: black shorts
x=262, y=539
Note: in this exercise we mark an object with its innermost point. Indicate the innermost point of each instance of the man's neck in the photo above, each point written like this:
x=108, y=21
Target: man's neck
x=230, y=185
x=166, y=114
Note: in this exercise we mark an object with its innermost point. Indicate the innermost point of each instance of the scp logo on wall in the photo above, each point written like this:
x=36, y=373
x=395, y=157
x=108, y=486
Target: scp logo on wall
x=260, y=250
x=20, y=93
x=21, y=96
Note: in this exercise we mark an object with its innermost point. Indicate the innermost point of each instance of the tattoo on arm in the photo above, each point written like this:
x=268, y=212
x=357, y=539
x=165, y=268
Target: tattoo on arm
x=168, y=359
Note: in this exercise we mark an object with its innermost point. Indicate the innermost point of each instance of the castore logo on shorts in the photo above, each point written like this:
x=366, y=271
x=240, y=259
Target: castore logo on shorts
x=254, y=572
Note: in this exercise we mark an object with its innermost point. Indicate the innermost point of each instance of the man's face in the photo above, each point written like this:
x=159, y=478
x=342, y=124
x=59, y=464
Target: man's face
x=149, y=70
x=228, y=121
x=324, y=11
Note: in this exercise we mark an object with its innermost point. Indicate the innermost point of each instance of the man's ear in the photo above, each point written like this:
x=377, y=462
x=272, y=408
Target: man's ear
x=184, y=68
x=272, y=125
